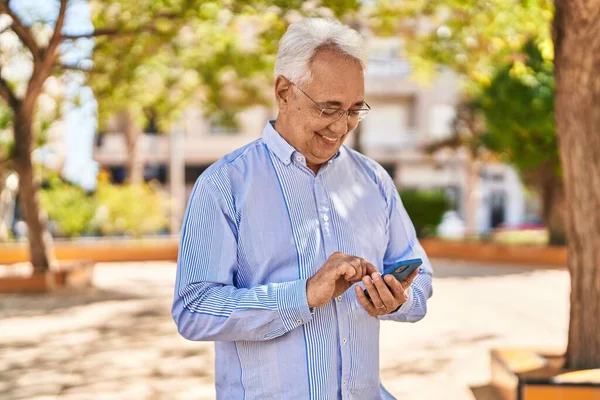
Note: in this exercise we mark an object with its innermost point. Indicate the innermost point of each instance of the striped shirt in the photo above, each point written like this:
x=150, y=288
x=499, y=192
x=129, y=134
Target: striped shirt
x=258, y=224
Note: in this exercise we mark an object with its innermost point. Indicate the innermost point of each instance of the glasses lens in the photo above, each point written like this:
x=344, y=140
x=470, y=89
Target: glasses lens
x=331, y=113
x=362, y=114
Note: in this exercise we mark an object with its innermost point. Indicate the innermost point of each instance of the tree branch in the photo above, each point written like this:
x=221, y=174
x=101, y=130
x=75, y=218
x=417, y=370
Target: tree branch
x=22, y=31
x=57, y=34
x=111, y=32
x=7, y=94
x=67, y=67
x=43, y=68
x=119, y=32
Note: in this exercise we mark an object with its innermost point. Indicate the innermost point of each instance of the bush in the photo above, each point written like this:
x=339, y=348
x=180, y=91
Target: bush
x=425, y=208
x=132, y=210
x=70, y=209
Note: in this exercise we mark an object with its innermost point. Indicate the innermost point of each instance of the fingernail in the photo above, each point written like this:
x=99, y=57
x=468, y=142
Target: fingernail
x=376, y=276
x=366, y=279
x=388, y=278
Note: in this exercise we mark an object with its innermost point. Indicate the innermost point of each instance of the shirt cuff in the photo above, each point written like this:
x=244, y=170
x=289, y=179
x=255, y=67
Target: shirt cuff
x=292, y=304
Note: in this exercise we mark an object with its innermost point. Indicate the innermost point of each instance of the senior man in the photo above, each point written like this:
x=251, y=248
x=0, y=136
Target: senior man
x=277, y=232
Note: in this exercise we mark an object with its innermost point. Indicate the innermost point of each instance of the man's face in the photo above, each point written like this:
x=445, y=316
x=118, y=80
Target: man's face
x=337, y=83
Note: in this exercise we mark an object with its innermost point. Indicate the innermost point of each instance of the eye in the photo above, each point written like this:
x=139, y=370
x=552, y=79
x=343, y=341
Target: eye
x=354, y=113
x=330, y=111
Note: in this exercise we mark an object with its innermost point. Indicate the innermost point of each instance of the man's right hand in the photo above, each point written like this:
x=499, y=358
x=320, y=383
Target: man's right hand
x=338, y=273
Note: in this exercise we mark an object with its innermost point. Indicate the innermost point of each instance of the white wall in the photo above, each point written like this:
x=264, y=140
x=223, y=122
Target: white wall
x=388, y=125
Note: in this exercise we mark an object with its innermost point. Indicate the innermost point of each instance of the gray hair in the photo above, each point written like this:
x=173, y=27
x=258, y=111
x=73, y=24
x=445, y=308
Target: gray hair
x=303, y=39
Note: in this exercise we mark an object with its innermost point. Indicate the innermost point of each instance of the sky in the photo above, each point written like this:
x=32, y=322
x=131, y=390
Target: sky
x=80, y=121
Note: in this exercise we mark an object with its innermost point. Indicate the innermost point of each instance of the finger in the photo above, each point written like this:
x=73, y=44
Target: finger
x=346, y=270
x=362, y=299
x=394, y=284
x=396, y=287
x=409, y=279
x=373, y=293
x=387, y=297
x=359, y=267
x=371, y=268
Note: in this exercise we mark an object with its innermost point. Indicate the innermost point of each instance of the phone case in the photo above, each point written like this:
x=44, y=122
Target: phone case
x=401, y=270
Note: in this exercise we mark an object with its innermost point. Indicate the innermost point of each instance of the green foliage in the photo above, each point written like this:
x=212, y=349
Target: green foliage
x=164, y=56
x=470, y=37
x=425, y=208
x=68, y=207
x=6, y=137
x=132, y=210
x=519, y=110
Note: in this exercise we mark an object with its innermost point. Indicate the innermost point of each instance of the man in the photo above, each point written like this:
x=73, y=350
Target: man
x=279, y=233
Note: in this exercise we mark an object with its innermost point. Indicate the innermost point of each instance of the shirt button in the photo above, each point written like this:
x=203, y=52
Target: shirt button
x=318, y=180
x=343, y=382
x=299, y=159
x=325, y=218
x=299, y=321
x=339, y=298
x=344, y=340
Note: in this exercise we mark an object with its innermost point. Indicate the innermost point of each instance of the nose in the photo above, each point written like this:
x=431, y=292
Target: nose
x=341, y=126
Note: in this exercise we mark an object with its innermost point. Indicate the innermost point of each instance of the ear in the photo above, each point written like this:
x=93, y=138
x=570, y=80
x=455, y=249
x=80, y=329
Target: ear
x=283, y=92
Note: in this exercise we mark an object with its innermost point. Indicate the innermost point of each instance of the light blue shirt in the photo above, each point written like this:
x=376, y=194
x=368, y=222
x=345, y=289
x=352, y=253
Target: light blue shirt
x=258, y=224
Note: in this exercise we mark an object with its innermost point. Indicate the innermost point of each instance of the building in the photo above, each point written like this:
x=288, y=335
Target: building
x=405, y=117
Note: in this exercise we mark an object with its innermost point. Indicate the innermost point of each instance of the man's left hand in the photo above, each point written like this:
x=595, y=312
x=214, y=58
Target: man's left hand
x=386, y=294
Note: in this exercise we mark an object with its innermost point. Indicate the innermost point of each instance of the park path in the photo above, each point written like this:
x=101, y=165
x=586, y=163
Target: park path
x=117, y=341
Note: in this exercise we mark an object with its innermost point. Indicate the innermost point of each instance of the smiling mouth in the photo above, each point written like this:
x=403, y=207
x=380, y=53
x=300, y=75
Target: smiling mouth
x=328, y=139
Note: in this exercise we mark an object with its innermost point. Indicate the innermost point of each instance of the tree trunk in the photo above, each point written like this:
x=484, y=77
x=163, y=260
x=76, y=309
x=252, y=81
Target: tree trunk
x=40, y=241
x=555, y=215
x=548, y=184
x=471, y=199
x=3, y=208
x=135, y=160
x=577, y=61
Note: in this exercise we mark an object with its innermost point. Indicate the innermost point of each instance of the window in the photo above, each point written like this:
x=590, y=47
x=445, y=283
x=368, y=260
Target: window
x=441, y=120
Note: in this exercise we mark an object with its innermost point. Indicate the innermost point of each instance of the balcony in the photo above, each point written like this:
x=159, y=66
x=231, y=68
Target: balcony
x=111, y=149
x=409, y=139
x=387, y=67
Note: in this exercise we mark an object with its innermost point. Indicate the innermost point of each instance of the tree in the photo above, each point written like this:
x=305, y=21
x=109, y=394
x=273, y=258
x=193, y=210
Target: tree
x=44, y=57
x=472, y=37
x=518, y=106
x=149, y=25
x=576, y=38
x=216, y=58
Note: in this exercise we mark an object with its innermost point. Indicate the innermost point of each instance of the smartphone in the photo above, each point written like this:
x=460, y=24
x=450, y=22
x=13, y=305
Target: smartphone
x=400, y=270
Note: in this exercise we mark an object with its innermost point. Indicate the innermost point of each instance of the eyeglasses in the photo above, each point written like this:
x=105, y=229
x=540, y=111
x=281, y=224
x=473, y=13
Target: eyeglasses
x=333, y=114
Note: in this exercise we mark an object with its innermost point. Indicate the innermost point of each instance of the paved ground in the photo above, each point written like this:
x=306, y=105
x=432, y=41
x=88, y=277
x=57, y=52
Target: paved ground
x=117, y=341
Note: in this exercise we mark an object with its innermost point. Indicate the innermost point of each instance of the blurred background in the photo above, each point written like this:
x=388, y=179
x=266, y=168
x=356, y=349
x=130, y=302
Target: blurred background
x=110, y=110
x=142, y=104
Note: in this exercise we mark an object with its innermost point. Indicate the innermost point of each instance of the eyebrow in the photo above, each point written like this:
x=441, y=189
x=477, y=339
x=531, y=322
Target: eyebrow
x=339, y=104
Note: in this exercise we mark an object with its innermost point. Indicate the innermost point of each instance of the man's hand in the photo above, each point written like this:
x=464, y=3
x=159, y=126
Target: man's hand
x=386, y=294
x=338, y=273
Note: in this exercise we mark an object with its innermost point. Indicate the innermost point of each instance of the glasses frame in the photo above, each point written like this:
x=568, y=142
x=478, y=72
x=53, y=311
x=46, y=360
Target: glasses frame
x=339, y=111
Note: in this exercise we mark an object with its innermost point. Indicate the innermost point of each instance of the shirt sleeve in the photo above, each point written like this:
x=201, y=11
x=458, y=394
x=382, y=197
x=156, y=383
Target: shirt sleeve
x=207, y=304
x=403, y=245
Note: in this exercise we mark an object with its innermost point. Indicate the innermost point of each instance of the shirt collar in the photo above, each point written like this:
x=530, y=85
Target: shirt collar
x=282, y=149
x=279, y=146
